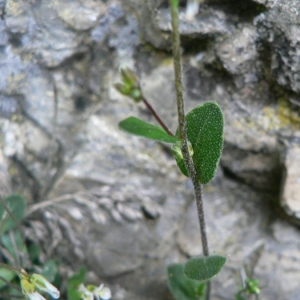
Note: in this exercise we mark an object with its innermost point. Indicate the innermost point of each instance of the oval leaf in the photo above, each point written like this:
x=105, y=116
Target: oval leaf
x=138, y=127
x=205, y=126
x=16, y=205
x=204, y=268
x=182, y=287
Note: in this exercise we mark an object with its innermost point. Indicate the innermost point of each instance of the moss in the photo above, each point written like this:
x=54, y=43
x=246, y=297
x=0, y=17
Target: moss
x=14, y=82
x=286, y=115
x=13, y=171
x=17, y=118
x=168, y=62
x=13, y=8
x=281, y=116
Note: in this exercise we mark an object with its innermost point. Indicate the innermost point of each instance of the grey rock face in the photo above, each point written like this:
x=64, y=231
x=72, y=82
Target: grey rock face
x=42, y=30
x=238, y=53
x=209, y=21
x=291, y=183
x=117, y=203
x=279, y=28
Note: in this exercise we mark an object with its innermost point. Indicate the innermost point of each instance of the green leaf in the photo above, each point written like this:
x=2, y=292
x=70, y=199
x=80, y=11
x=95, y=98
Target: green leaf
x=205, y=126
x=182, y=287
x=16, y=204
x=6, y=274
x=13, y=242
x=74, y=282
x=138, y=127
x=177, y=153
x=204, y=268
x=34, y=251
x=50, y=270
x=14, y=293
x=252, y=286
x=239, y=297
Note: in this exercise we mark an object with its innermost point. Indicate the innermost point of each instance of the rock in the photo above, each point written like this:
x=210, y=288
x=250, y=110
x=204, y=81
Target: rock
x=103, y=28
x=267, y=3
x=283, y=253
x=18, y=84
x=260, y=169
x=8, y=106
x=278, y=27
x=291, y=184
x=3, y=34
x=117, y=203
x=209, y=22
x=38, y=28
x=238, y=52
x=79, y=16
x=32, y=150
x=5, y=186
x=145, y=13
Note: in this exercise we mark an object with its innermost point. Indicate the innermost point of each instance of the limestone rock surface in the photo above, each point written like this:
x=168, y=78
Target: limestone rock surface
x=117, y=203
x=291, y=183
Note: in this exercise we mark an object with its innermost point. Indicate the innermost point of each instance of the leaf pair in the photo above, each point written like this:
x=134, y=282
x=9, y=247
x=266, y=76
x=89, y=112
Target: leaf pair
x=204, y=125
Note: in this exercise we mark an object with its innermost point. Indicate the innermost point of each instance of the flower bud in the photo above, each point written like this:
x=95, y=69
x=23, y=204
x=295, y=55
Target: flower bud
x=29, y=290
x=130, y=85
x=44, y=285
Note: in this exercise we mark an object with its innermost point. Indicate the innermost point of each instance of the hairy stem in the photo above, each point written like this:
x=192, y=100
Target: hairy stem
x=182, y=129
x=177, y=71
x=156, y=116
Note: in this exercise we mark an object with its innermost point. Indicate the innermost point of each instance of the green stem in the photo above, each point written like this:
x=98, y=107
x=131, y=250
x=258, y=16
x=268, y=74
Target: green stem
x=14, y=286
x=182, y=129
x=10, y=297
x=177, y=70
x=12, y=268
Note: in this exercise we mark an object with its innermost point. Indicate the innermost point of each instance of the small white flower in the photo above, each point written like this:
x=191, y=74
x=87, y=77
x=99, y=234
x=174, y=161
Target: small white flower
x=29, y=290
x=35, y=296
x=103, y=292
x=44, y=285
x=85, y=293
x=192, y=9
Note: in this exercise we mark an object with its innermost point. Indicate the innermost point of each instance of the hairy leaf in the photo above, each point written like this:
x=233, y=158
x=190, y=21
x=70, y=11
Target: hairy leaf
x=205, y=126
x=204, y=268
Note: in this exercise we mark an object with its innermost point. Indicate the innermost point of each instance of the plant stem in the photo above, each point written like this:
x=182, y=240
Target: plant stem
x=182, y=129
x=14, y=286
x=156, y=116
x=2, y=265
x=9, y=213
x=177, y=70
